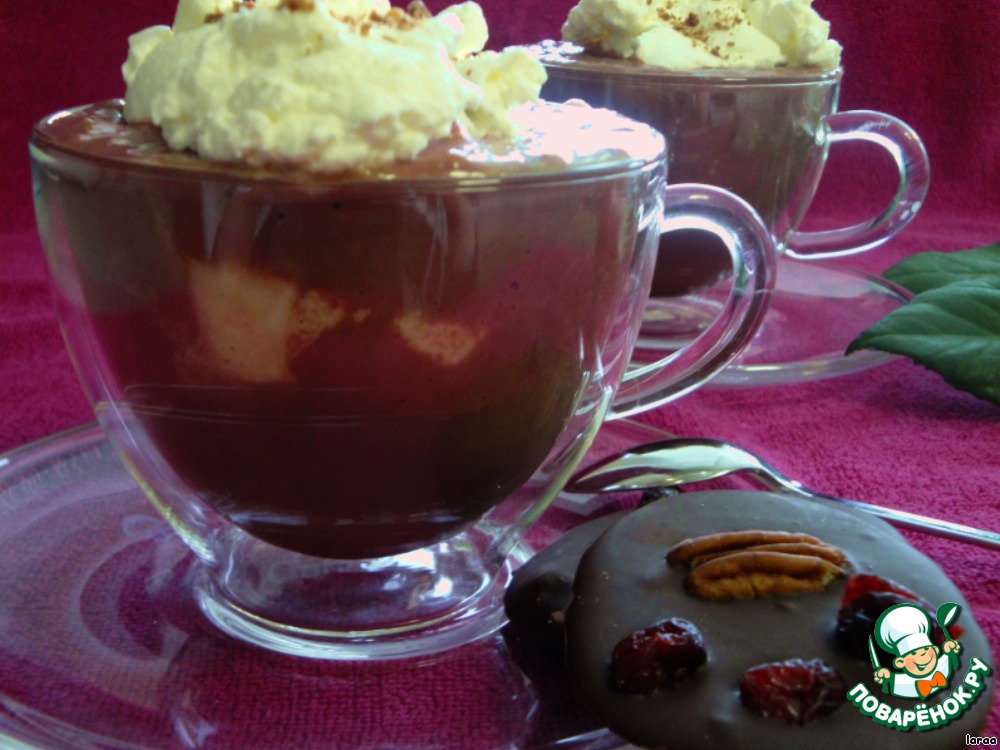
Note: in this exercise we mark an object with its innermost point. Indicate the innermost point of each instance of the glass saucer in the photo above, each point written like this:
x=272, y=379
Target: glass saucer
x=816, y=310
x=103, y=646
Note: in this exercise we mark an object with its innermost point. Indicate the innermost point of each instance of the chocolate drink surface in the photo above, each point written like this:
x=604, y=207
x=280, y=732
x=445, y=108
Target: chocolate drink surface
x=754, y=133
x=347, y=365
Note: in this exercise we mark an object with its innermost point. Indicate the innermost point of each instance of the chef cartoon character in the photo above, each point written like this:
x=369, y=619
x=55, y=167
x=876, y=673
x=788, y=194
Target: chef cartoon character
x=904, y=630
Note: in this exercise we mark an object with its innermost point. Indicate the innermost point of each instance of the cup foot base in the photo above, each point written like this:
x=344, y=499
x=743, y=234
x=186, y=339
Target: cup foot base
x=408, y=605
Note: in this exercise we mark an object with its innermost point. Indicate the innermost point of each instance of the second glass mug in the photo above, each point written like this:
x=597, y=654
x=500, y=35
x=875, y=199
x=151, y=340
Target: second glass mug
x=763, y=135
x=349, y=398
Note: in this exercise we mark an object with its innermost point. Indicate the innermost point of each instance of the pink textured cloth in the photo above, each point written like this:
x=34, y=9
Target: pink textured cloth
x=895, y=435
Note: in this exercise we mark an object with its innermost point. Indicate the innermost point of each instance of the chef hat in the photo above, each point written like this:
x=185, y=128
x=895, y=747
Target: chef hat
x=903, y=628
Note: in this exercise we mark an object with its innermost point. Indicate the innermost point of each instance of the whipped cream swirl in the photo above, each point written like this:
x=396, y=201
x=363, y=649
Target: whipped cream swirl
x=696, y=34
x=327, y=85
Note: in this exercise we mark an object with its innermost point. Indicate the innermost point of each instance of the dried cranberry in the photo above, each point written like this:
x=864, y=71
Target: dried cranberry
x=794, y=691
x=865, y=583
x=657, y=656
x=857, y=619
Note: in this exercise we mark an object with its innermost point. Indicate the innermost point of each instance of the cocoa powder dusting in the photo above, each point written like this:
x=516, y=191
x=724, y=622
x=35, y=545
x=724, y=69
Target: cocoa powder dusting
x=699, y=28
x=297, y=5
x=396, y=19
x=418, y=10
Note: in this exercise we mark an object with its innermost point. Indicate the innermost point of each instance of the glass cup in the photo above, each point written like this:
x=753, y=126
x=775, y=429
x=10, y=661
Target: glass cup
x=763, y=135
x=350, y=395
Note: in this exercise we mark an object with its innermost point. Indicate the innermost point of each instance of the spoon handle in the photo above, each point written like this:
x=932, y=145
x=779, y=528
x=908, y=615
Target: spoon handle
x=901, y=518
x=673, y=461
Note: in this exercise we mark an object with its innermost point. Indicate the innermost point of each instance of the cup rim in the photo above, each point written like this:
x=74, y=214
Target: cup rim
x=649, y=152
x=571, y=59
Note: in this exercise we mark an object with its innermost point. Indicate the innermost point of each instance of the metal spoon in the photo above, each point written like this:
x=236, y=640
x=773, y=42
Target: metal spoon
x=677, y=461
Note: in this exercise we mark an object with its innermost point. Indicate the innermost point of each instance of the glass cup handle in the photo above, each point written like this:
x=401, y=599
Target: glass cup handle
x=910, y=157
x=754, y=258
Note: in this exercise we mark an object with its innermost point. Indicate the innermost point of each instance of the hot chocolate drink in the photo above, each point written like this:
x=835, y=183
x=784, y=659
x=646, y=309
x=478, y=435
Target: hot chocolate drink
x=755, y=133
x=351, y=302
x=337, y=365
x=739, y=89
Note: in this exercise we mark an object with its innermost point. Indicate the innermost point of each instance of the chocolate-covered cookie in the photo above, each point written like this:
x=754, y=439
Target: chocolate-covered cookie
x=542, y=588
x=627, y=595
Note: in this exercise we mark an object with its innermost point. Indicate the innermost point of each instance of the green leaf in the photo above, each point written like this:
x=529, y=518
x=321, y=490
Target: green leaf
x=925, y=271
x=953, y=330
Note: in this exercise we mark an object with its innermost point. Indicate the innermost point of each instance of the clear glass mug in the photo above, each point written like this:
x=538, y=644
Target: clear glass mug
x=350, y=396
x=763, y=135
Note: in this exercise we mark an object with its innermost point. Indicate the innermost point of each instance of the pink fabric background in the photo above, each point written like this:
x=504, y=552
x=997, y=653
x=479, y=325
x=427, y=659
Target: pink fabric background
x=896, y=435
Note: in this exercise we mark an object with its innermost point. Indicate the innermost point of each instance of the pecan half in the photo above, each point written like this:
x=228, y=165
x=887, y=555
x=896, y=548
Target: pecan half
x=755, y=564
x=684, y=552
x=827, y=552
